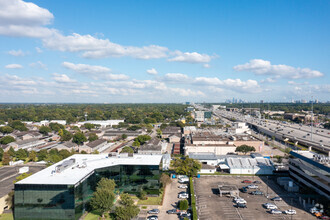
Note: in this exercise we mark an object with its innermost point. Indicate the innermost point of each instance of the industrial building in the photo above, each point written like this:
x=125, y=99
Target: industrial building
x=311, y=170
x=63, y=190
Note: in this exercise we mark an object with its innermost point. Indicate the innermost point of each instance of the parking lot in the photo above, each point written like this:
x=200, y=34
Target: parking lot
x=211, y=206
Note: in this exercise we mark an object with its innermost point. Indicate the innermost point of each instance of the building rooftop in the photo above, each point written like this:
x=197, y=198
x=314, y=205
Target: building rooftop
x=96, y=143
x=79, y=166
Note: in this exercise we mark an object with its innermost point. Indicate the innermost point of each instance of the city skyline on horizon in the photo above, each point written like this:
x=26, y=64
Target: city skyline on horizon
x=157, y=52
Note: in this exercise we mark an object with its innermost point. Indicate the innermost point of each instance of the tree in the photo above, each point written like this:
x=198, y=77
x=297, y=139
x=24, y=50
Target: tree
x=32, y=156
x=89, y=126
x=136, y=144
x=64, y=153
x=1, y=153
x=104, y=195
x=7, y=140
x=65, y=135
x=6, y=129
x=124, y=136
x=327, y=125
x=92, y=137
x=127, y=149
x=42, y=155
x=165, y=179
x=22, y=176
x=44, y=130
x=56, y=127
x=134, y=128
x=163, y=126
x=186, y=166
x=143, y=195
x=142, y=138
x=245, y=149
x=5, y=158
x=79, y=138
x=159, y=132
x=127, y=210
x=12, y=152
x=22, y=154
x=18, y=125
x=183, y=204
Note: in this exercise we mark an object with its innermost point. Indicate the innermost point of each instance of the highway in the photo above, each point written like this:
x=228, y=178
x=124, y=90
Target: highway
x=318, y=139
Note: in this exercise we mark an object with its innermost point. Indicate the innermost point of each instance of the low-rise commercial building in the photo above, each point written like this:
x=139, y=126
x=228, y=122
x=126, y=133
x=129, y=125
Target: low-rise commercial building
x=63, y=190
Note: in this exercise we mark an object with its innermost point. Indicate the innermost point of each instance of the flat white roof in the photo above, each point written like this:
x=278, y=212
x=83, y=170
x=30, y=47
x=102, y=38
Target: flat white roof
x=84, y=165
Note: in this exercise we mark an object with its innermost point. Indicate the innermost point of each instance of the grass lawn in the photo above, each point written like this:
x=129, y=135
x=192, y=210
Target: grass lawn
x=6, y=216
x=152, y=200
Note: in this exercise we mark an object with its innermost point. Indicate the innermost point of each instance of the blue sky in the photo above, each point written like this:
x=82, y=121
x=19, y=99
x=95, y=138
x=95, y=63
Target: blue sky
x=163, y=51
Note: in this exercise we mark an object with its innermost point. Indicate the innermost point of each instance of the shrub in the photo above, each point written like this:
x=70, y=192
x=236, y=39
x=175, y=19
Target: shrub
x=183, y=204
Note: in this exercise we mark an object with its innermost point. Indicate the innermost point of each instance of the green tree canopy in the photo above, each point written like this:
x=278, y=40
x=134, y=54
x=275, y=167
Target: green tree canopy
x=186, y=166
x=92, y=137
x=127, y=149
x=79, y=138
x=65, y=135
x=89, y=126
x=22, y=154
x=142, y=139
x=245, y=149
x=21, y=177
x=124, y=136
x=32, y=156
x=127, y=210
x=104, y=195
x=7, y=140
x=6, y=129
x=183, y=204
x=56, y=126
x=44, y=130
x=5, y=158
x=17, y=125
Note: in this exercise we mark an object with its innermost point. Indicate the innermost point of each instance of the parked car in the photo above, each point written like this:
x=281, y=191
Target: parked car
x=172, y=211
x=239, y=200
x=252, y=186
x=269, y=206
x=241, y=205
x=183, y=186
x=246, y=181
x=153, y=211
x=276, y=199
x=256, y=192
x=244, y=189
x=290, y=212
x=153, y=217
x=275, y=211
x=324, y=217
x=257, y=182
x=183, y=196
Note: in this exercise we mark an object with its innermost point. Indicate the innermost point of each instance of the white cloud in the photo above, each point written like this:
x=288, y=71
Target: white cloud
x=38, y=65
x=206, y=65
x=93, y=47
x=24, y=19
x=16, y=53
x=62, y=78
x=177, y=77
x=186, y=92
x=152, y=71
x=231, y=84
x=188, y=57
x=94, y=71
x=264, y=67
x=85, y=68
x=296, y=83
x=14, y=66
x=38, y=50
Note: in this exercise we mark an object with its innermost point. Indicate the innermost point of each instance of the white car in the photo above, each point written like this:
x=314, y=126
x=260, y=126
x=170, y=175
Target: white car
x=290, y=212
x=276, y=211
x=183, y=186
x=183, y=196
x=239, y=200
x=252, y=186
x=270, y=206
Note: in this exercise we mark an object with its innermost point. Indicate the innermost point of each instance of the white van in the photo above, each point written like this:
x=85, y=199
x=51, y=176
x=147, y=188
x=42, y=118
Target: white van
x=184, y=180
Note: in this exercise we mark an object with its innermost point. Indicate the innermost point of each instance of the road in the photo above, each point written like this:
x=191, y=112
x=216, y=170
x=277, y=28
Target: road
x=318, y=138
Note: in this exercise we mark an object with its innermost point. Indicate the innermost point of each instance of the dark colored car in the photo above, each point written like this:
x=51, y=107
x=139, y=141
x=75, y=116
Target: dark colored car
x=241, y=205
x=172, y=211
x=257, y=182
x=244, y=190
x=256, y=192
x=153, y=211
x=276, y=199
x=246, y=181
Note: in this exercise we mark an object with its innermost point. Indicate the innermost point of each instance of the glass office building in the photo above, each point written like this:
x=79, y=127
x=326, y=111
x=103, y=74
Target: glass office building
x=65, y=196
x=311, y=170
